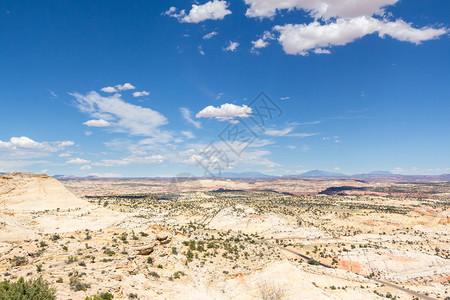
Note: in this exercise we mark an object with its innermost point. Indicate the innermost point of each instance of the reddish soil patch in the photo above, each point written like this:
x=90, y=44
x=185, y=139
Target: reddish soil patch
x=351, y=266
x=442, y=279
x=370, y=222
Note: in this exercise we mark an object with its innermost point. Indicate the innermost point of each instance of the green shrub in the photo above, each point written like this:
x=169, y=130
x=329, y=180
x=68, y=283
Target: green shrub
x=76, y=284
x=55, y=237
x=101, y=296
x=109, y=252
x=313, y=262
x=19, y=261
x=37, y=289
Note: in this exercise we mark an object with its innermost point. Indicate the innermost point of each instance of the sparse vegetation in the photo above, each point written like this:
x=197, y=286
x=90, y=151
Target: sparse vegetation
x=37, y=289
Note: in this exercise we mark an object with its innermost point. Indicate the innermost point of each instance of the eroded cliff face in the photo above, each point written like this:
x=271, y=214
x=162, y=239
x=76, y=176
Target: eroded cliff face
x=36, y=192
x=33, y=204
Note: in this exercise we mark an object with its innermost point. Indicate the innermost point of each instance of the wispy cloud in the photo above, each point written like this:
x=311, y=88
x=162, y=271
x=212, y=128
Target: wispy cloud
x=210, y=35
x=287, y=132
x=122, y=116
x=187, y=116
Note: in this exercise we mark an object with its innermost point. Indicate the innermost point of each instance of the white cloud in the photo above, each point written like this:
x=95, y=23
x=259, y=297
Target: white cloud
x=25, y=147
x=318, y=8
x=152, y=159
x=219, y=95
x=281, y=132
x=122, y=116
x=77, y=161
x=285, y=98
x=287, y=132
x=186, y=113
x=225, y=158
x=302, y=38
x=140, y=94
x=321, y=51
x=97, y=123
x=200, y=50
x=302, y=134
x=210, y=35
x=291, y=147
x=64, y=154
x=86, y=167
x=188, y=134
x=231, y=47
x=225, y=112
x=109, y=89
x=211, y=10
x=260, y=43
x=125, y=86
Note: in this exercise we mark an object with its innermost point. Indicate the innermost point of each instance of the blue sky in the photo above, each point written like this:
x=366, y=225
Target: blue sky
x=145, y=88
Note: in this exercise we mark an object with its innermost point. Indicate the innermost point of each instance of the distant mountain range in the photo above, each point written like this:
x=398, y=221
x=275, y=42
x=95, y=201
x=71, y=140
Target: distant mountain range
x=244, y=175
x=313, y=174
x=320, y=173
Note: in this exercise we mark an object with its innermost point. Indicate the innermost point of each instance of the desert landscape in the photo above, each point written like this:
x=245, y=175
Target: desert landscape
x=226, y=239
x=224, y=150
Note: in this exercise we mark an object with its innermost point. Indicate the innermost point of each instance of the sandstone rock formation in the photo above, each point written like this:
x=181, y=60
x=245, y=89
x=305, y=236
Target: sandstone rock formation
x=33, y=192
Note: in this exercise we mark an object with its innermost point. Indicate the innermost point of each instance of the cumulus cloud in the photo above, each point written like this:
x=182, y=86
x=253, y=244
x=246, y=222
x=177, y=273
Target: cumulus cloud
x=122, y=116
x=97, y=123
x=109, y=89
x=231, y=47
x=225, y=112
x=78, y=161
x=125, y=86
x=318, y=8
x=260, y=43
x=119, y=87
x=302, y=38
x=211, y=10
x=210, y=35
x=186, y=113
x=140, y=94
x=24, y=147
